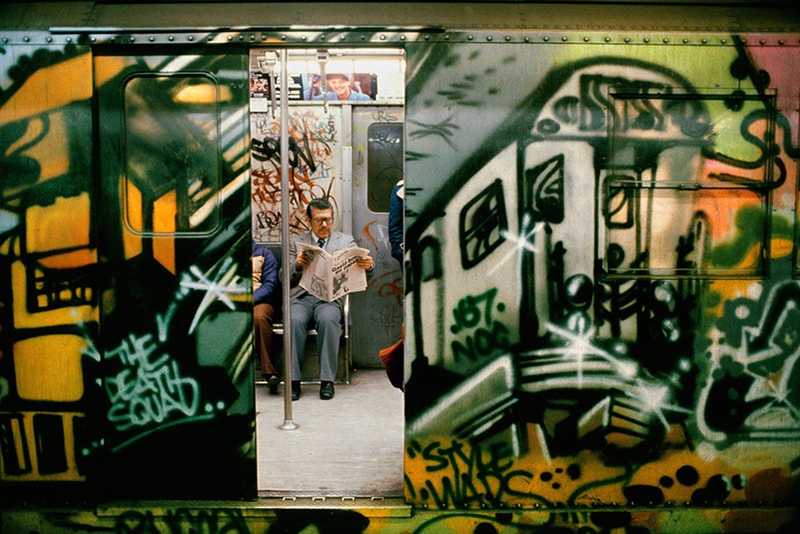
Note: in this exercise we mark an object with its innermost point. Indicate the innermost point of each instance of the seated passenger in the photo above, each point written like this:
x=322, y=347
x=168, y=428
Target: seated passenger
x=307, y=309
x=266, y=309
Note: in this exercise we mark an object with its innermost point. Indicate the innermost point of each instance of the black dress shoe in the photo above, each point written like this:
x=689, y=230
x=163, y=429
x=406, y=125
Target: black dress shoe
x=272, y=384
x=326, y=390
x=295, y=390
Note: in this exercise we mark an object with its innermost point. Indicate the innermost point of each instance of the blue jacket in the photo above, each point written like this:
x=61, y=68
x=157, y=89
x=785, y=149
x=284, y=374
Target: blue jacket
x=269, y=291
x=396, y=203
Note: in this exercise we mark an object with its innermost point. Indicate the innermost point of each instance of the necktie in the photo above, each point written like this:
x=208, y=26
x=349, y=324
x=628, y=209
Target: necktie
x=321, y=243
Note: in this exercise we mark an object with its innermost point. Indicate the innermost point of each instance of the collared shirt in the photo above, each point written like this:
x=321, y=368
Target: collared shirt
x=318, y=239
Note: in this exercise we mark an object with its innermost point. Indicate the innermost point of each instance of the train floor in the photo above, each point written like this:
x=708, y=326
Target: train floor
x=349, y=446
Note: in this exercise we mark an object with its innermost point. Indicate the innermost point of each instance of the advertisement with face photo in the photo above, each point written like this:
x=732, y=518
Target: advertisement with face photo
x=341, y=86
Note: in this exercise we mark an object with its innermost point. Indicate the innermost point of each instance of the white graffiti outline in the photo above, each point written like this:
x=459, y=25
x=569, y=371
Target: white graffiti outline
x=216, y=289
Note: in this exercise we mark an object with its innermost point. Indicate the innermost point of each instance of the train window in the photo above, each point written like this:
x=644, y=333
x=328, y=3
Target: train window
x=482, y=224
x=384, y=163
x=676, y=157
x=171, y=154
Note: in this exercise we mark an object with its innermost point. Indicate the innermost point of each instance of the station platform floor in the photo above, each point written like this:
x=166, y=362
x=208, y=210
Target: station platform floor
x=349, y=446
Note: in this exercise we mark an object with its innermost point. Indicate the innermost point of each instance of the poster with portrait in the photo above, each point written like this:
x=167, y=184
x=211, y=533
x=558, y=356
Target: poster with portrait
x=341, y=86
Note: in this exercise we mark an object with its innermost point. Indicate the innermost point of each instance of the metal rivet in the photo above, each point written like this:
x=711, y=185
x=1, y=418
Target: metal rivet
x=646, y=39
x=627, y=39
x=607, y=39
x=469, y=37
x=704, y=41
x=723, y=41
x=171, y=38
x=488, y=37
x=527, y=39
x=665, y=40
x=780, y=42
x=50, y=39
x=585, y=39
x=685, y=40
x=545, y=39
x=761, y=41
x=151, y=38
x=508, y=37
x=383, y=37
x=402, y=37
x=191, y=37
x=564, y=38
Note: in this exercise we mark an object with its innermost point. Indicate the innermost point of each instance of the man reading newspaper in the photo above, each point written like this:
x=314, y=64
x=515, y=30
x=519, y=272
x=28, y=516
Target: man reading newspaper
x=332, y=276
x=326, y=266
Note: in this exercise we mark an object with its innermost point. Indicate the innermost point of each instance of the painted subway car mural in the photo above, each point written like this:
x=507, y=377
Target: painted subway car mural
x=600, y=296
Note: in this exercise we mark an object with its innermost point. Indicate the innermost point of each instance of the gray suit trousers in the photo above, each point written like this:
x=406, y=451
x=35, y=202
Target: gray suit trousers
x=309, y=311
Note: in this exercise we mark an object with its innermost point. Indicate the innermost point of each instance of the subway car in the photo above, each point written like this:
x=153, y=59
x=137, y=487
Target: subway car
x=596, y=313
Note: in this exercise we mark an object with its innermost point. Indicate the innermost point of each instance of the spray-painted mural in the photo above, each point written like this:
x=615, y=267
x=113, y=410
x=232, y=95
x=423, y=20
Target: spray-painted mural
x=315, y=168
x=49, y=302
x=602, y=276
x=113, y=373
x=176, y=313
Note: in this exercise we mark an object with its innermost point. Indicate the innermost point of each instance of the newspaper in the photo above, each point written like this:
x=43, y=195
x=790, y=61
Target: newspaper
x=332, y=276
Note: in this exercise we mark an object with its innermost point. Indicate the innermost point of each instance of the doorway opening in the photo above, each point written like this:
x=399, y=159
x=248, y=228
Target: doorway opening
x=345, y=144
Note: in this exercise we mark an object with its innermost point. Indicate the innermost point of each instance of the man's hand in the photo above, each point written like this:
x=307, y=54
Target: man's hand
x=365, y=263
x=304, y=259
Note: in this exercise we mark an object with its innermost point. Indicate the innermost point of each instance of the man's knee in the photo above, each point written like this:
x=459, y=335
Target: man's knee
x=264, y=312
x=329, y=315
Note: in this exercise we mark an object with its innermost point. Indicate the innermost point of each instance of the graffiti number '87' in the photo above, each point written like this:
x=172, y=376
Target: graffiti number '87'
x=487, y=336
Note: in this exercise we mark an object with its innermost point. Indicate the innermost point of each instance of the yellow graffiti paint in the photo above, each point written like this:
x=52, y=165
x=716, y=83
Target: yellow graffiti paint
x=48, y=368
x=164, y=213
x=43, y=315
x=133, y=218
x=63, y=225
x=50, y=88
x=40, y=454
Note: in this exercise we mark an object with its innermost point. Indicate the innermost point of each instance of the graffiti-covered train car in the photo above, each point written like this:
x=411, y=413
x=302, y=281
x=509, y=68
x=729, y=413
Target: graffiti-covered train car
x=600, y=292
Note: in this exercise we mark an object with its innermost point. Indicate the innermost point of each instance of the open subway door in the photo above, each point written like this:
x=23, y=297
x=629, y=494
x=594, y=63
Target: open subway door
x=175, y=328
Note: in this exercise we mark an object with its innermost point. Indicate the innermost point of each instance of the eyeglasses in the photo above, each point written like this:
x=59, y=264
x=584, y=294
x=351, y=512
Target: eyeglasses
x=320, y=220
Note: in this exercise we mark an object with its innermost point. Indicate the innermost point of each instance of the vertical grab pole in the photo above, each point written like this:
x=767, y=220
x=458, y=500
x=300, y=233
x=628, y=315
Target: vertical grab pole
x=288, y=423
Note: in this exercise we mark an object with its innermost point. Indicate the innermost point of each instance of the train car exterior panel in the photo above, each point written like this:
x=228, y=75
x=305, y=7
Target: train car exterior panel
x=535, y=223
x=601, y=276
